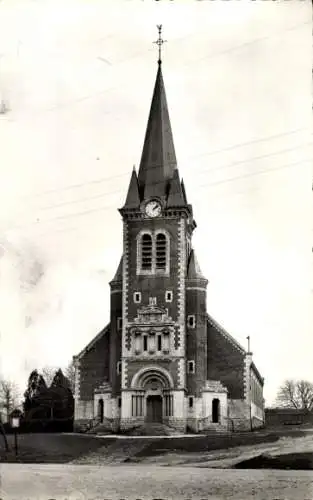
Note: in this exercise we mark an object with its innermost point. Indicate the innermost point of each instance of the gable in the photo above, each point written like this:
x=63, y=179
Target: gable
x=225, y=334
x=92, y=343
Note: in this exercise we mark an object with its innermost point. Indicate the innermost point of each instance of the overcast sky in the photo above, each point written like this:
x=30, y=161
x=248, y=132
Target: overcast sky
x=76, y=79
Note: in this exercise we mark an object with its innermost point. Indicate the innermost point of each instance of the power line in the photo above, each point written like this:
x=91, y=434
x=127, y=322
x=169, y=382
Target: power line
x=260, y=157
x=216, y=54
x=207, y=185
x=210, y=153
x=256, y=40
x=99, y=196
x=290, y=165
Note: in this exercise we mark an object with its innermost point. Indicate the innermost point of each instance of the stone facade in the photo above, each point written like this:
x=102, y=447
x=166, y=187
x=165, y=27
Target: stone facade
x=162, y=358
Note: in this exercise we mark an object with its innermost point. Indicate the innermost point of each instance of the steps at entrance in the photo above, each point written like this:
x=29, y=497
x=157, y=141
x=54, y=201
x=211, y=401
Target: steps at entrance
x=153, y=429
x=117, y=452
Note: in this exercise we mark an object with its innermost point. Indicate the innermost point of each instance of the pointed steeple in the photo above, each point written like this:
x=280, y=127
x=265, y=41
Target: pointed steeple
x=158, y=160
x=119, y=272
x=184, y=191
x=194, y=272
x=176, y=195
x=132, y=198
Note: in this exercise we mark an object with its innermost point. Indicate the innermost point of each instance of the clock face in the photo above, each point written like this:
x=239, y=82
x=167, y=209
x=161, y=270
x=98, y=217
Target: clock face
x=153, y=209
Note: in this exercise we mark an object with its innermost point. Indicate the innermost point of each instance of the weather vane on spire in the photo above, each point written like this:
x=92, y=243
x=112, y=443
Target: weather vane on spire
x=160, y=42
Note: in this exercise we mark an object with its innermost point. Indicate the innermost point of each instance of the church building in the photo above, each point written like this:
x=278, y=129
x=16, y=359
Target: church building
x=162, y=358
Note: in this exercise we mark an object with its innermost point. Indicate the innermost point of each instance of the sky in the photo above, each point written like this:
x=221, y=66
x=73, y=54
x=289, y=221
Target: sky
x=76, y=80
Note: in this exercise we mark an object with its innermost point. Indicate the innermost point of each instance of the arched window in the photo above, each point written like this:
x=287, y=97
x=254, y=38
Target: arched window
x=160, y=251
x=146, y=252
x=153, y=252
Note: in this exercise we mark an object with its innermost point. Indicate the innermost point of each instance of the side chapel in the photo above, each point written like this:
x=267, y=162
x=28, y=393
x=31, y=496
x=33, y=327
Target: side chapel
x=163, y=358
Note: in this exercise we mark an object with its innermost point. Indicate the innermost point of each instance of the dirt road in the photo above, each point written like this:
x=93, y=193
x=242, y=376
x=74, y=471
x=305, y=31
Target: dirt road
x=85, y=482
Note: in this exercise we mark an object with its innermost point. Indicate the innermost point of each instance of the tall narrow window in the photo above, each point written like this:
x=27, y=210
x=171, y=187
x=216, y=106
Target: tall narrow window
x=160, y=251
x=191, y=367
x=145, y=343
x=146, y=252
x=159, y=343
x=191, y=321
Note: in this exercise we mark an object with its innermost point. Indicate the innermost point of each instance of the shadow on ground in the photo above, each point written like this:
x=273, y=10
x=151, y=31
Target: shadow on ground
x=291, y=461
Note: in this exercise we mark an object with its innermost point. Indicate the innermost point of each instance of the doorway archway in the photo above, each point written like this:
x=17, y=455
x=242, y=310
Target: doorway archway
x=215, y=411
x=154, y=411
x=100, y=410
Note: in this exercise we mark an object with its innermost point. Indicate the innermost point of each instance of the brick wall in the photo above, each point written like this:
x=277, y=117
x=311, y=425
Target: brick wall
x=115, y=341
x=197, y=341
x=225, y=363
x=94, y=367
x=152, y=286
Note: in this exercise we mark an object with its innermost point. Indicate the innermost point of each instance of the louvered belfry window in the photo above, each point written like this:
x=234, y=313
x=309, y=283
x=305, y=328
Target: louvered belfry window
x=146, y=252
x=161, y=251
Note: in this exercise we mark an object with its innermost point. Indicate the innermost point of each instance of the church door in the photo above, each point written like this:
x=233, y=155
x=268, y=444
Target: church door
x=154, y=409
x=215, y=411
x=100, y=410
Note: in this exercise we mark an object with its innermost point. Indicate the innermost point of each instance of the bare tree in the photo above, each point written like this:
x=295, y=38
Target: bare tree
x=69, y=372
x=48, y=373
x=2, y=432
x=9, y=395
x=296, y=394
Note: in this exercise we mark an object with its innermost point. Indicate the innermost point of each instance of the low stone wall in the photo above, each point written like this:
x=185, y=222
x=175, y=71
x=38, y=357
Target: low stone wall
x=239, y=417
x=177, y=423
x=130, y=423
x=257, y=423
x=193, y=424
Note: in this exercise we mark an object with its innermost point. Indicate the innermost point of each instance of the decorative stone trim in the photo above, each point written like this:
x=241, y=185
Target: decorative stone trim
x=154, y=369
x=246, y=376
x=124, y=374
x=153, y=270
x=137, y=297
x=196, y=288
x=125, y=287
x=181, y=295
x=181, y=373
x=77, y=378
x=214, y=386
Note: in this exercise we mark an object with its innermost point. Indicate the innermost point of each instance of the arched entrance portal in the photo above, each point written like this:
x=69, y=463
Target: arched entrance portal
x=154, y=411
x=100, y=410
x=153, y=381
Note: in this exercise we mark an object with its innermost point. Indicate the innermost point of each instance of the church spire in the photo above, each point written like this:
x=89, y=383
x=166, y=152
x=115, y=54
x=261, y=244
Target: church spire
x=132, y=198
x=158, y=160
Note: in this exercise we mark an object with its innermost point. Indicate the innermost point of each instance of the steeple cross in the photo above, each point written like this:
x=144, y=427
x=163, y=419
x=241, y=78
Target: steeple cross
x=160, y=42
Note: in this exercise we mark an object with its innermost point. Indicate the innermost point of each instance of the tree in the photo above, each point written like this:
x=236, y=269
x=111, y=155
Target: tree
x=2, y=432
x=9, y=395
x=70, y=374
x=48, y=373
x=296, y=394
x=35, y=392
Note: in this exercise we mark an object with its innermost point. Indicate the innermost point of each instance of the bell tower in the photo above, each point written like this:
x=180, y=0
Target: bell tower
x=157, y=230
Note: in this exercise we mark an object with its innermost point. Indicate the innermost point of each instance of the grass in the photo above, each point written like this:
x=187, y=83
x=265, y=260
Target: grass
x=50, y=448
x=64, y=448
